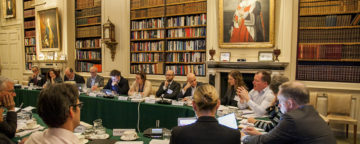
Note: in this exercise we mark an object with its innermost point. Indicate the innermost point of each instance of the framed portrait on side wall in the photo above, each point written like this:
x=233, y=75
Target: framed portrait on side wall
x=246, y=23
x=49, y=30
x=9, y=8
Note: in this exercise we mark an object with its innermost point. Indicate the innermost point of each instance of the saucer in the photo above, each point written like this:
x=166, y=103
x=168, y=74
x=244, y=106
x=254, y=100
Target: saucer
x=102, y=136
x=33, y=127
x=124, y=138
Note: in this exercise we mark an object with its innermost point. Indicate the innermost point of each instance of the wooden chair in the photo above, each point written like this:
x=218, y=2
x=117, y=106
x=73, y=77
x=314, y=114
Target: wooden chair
x=339, y=107
x=313, y=102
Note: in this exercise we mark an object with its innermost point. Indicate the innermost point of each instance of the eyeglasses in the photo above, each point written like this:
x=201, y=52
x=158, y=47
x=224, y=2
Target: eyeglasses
x=80, y=105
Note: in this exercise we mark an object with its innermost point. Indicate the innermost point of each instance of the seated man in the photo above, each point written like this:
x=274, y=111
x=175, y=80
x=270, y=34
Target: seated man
x=95, y=80
x=59, y=107
x=117, y=83
x=36, y=78
x=260, y=97
x=8, y=125
x=169, y=88
x=70, y=75
x=189, y=87
x=299, y=124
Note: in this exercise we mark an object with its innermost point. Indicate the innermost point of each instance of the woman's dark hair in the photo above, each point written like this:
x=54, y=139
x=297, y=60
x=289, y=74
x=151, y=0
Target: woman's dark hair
x=115, y=73
x=239, y=81
x=57, y=73
x=142, y=76
x=54, y=103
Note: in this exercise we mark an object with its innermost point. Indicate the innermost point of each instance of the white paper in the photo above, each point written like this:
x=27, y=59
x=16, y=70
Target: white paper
x=177, y=103
x=155, y=141
x=129, y=142
x=28, y=108
x=119, y=132
x=122, y=98
x=150, y=101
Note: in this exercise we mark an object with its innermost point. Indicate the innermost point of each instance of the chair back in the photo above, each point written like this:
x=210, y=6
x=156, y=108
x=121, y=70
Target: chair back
x=339, y=104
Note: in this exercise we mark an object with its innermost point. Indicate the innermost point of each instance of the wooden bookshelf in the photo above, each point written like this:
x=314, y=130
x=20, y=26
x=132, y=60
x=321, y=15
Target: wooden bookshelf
x=88, y=47
x=177, y=40
x=29, y=33
x=328, y=41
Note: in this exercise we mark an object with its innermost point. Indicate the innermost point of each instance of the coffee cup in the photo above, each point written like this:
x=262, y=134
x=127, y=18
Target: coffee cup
x=31, y=123
x=129, y=134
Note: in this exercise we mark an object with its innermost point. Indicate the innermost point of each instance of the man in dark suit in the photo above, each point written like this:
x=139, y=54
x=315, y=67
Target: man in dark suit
x=117, y=83
x=189, y=87
x=95, y=80
x=300, y=123
x=70, y=75
x=8, y=125
x=36, y=78
x=169, y=88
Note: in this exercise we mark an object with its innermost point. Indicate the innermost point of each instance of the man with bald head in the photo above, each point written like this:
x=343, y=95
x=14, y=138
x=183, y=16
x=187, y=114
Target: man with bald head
x=190, y=86
x=169, y=88
x=95, y=80
x=70, y=75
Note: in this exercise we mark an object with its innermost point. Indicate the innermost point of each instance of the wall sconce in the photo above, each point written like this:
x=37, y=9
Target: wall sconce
x=109, y=37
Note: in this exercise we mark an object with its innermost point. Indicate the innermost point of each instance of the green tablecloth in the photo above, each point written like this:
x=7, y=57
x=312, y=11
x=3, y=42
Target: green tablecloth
x=118, y=114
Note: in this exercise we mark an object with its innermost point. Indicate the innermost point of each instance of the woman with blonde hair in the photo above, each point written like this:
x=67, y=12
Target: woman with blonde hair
x=235, y=80
x=206, y=129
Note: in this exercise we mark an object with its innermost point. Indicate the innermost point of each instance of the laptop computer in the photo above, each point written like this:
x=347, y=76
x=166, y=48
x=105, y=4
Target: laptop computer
x=186, y=121
x=228, y=121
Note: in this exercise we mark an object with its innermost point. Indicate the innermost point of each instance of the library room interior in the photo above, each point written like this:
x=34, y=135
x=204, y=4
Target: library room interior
x=179, y=71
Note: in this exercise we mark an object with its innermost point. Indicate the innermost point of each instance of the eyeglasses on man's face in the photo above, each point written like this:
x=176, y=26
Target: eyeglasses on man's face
x=80, y=105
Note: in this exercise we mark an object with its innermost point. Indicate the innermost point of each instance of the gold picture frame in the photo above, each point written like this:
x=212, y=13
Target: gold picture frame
x=246, y=24
x=48, y=26
x=9, y=8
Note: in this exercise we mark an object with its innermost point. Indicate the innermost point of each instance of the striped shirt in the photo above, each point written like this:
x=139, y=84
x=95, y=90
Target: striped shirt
x=274, y=116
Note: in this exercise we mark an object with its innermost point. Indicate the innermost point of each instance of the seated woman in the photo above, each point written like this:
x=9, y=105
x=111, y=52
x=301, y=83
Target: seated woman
x=235, y=80
x=273, y=111
x=206, y=129
x=140, y=85
x=52, y=77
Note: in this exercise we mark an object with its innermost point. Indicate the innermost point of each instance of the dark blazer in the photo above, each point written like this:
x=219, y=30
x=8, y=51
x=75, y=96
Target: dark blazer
x=121, y=88
x=188, y=91
x=77, y=78
x=228, y=98
x=8, y=126
x=99, y=79
x=300, y=126
x=206, y=130
x=174, y=86
x=39, y=81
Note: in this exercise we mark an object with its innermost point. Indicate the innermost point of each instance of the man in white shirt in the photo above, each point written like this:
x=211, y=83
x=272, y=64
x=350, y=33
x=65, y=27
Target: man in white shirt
x=260, y=97
x=59, y=107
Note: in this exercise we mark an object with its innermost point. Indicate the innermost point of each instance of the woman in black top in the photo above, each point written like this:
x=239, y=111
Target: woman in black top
x=235, y=80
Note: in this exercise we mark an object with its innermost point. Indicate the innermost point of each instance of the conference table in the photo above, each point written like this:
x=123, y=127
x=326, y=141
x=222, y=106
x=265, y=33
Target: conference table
x=117, y=113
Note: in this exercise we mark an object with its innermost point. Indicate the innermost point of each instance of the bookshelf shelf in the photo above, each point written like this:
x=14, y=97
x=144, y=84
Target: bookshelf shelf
x=27, y=28
x=33, y=16
x=29, y=37
x=333, y=27
x=88, y=32
x=168, y=20
x=328, y=41
x=30, y=45
x=29, y=8
x=85, y=25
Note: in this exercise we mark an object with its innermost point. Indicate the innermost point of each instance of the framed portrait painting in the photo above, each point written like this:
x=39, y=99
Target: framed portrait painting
x=49, y=30
x=9, y=8
x=246, y=23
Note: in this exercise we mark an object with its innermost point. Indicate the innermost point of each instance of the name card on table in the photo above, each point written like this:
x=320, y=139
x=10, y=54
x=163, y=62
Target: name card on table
x=92, y=94
x=177, y=103
x=122, y=98
x=119, y=132
x=150, y=101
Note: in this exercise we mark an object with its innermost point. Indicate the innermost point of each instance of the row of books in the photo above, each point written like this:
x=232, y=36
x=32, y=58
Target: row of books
x=186, y=57
x=147, y=34
x=350, y=52
x=151, y=12
x=147, y=57
x=148, y=23
x=88, y=55
x=337, y=73
x=30, y=57
x=186, y=32
x=85, y=66
x=29, y=24
x=191, y=20
x=90, y=43
x=186, y=45
x=145, y=3
x=179, y=1
x=30, y=41
x=329, y=51
x=323, y=21
x=329, y=35
x=147, y=68
x=186, y=8
x=185, y=69
x=91, y=31
x=328, y=7
x=30, y=33
x=88, y=12
x=28, y=13
x=30, y=49
x=91, y=20
x=147, y=46
x=28, y=4
x=80, y=4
